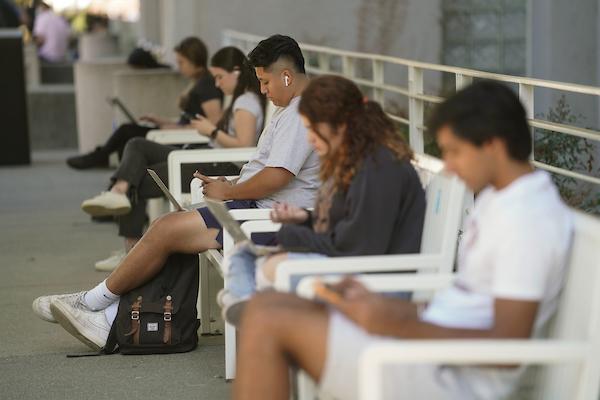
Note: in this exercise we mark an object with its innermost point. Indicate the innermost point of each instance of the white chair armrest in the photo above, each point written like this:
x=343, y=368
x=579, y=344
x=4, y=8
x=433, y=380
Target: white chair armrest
x=378, y=356
x=176, y=136
x=178, y=157
x=251, y=214
x=350, y=265
x=382, y=282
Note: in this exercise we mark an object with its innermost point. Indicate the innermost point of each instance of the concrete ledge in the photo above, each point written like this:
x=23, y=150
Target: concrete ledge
x=52, y=122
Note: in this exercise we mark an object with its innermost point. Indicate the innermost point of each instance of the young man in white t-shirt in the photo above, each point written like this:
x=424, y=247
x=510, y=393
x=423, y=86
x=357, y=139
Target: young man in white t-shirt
x=283, y=168
x=511, y=268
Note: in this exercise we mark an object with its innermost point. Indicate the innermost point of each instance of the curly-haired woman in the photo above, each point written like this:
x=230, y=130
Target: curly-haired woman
x=370, y=201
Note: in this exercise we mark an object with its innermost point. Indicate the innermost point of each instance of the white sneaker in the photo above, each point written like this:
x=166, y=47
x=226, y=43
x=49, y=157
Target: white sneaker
x=41, y=305
x=90, y=327
x=232, y=307
x=112, y=262
x=107, y=203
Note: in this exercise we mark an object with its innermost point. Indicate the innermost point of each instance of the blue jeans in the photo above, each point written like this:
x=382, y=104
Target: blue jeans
x=241, y=275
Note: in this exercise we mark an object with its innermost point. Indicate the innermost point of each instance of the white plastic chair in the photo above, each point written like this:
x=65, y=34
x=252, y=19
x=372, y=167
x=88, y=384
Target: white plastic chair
x=446, y=197
x=571, y=353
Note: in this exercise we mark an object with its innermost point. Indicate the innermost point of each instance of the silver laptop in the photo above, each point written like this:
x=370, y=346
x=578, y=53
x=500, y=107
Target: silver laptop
x=233, y=227
x=166, y=191
x=221, y=213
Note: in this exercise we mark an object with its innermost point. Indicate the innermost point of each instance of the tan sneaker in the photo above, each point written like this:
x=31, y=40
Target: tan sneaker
x=107, y=203
x=111, y=263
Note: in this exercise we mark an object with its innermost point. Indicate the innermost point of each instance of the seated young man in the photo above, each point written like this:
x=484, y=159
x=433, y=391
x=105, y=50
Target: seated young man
x=283, y=169
x=511, y=269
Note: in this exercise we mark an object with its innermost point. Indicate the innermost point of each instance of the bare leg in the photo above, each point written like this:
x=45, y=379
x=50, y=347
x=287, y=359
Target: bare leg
x=279, y=329
x=178, y=232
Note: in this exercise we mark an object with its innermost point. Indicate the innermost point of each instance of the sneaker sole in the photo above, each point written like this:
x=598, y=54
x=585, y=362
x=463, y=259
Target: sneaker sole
x=101, y=211
x=71, y=327
x=41, y=315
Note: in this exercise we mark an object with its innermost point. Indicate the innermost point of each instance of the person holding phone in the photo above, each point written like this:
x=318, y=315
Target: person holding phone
x=371, y=200
x=201, y=97
x=239, y=126
x=510, y=271
x=284, y=168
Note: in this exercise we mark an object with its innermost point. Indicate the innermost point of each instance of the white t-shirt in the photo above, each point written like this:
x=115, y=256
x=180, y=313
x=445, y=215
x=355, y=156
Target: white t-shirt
x=284, y=144
x=55, y=31
x=250, y=102
x=515, y=246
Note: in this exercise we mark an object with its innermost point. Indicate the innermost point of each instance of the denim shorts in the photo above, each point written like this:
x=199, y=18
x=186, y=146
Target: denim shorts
x=265, y=239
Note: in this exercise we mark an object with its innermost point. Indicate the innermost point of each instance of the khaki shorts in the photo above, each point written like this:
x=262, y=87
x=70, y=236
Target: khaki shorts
x=345, y=343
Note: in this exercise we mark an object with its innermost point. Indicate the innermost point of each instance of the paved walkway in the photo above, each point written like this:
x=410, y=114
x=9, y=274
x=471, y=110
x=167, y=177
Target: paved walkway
x=48, y=245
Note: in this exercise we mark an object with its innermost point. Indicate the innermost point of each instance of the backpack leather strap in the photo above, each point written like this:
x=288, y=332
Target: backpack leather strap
x=135, y=320
x=168, y=314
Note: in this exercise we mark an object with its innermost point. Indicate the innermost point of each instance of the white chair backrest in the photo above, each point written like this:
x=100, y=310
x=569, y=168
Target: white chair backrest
x=578, y=314
x=446, y=197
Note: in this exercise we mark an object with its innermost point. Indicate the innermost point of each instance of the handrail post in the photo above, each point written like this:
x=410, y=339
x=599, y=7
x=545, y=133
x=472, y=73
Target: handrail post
x=415, y=109
x=348, y=67
x=378, y=79
x=526, y=96
x=463, y=81
x=324, y=62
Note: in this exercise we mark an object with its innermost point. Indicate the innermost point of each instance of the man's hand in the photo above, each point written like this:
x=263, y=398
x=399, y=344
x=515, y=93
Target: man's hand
x=288, y=214
x=215, y=188
x=369, y=310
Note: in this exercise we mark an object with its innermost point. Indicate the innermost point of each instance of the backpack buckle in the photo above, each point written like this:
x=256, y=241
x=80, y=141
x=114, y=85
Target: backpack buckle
x=167, y=316
x=135, y=315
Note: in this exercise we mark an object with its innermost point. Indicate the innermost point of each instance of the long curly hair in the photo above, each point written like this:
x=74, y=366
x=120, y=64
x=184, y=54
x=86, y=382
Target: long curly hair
x=339, y=102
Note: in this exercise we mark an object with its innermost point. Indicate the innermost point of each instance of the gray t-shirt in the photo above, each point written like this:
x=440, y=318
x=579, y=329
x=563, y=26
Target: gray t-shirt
x=250, y=102
x=284, y=144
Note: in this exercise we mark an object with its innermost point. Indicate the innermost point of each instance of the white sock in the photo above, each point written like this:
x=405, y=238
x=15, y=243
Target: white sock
x=100, y=297
x=110, y=312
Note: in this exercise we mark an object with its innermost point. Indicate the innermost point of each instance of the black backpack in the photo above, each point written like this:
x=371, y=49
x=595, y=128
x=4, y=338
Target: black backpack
x=161, y=315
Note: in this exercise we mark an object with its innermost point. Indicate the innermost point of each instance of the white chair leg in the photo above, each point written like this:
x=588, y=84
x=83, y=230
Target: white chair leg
x=306, y=387
x=203, y=305
x=230, y=351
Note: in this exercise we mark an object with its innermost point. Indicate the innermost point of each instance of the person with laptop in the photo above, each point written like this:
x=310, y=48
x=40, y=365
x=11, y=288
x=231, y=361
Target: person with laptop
x=284, y=168
x=239, y=126
x=511, y=267
x=371, y=200
x=201, y=97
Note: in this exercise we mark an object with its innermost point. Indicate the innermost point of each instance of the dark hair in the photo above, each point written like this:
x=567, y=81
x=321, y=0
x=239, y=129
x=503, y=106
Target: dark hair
x=230, y=59
x=194, y=50
x=274, y=48
x=142, y=58
x=336, y=101
x=482, y=111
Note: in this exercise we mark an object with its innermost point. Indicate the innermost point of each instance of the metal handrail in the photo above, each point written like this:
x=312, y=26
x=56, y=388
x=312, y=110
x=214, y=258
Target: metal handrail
x=417, y=97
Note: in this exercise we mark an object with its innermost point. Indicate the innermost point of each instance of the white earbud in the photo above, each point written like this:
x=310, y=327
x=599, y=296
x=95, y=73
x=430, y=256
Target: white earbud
x=286, y=80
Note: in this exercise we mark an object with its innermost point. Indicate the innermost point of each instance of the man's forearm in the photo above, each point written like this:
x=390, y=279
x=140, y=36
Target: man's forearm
x=261, y=185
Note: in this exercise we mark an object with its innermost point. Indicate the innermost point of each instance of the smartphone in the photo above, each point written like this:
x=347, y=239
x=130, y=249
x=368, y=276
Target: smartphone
x=326, y=292
x=187, y=116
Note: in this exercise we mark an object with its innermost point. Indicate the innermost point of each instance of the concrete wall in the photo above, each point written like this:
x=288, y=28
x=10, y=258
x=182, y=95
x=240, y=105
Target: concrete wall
x=565, y=47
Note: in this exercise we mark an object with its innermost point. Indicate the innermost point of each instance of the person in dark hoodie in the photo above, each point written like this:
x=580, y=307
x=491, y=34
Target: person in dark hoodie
x=371, y=200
